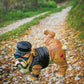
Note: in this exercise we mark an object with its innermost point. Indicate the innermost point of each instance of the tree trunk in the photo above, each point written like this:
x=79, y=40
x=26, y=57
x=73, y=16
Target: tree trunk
x=6, y=4
x=35, y=3
x=47, y=0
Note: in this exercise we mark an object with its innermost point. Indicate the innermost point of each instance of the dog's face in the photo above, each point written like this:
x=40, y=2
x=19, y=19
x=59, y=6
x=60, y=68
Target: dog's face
x=22, y=61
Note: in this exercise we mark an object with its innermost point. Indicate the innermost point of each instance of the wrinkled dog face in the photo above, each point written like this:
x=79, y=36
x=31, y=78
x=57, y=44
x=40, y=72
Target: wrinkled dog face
x=21, y=61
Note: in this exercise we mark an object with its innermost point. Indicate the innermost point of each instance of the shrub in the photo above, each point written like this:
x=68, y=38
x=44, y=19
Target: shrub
x=48, y=4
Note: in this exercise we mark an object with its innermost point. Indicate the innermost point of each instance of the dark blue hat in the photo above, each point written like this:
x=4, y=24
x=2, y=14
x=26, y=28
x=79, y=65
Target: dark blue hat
x=23, y=47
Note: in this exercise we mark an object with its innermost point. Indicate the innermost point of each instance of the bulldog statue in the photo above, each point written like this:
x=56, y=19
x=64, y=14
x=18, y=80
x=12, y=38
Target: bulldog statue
x=33, y=60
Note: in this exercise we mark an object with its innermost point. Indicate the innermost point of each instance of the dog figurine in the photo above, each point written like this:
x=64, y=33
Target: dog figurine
x=33, y=60
x=56, y=52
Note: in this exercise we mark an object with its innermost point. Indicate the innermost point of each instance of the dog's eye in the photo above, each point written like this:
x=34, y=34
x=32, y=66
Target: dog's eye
x=25, y=58
x=16, y=56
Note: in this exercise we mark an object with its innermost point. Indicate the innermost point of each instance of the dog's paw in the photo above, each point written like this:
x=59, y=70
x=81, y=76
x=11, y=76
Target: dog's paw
x=32, y=78
x=59, y=75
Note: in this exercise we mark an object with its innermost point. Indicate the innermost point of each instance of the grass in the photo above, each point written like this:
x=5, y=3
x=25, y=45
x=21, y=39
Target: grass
x=7, y=17
x=21, y=30
x=76, y=17
x=17, y=15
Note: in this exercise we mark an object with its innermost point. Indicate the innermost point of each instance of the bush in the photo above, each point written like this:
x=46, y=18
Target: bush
x=48, y=4
x=51, y=4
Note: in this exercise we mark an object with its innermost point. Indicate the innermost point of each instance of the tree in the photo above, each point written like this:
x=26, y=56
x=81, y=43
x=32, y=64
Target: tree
x=35, y=3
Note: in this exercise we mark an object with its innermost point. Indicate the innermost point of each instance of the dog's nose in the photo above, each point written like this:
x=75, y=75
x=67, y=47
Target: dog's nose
x=20, y=60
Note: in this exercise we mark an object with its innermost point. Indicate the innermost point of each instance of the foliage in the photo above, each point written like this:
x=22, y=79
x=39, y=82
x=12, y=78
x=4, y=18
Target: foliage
x=72, y=3
x=76, y=17
x=11, y=16
x=48, y=4
x=10, y=5
x=21, y=30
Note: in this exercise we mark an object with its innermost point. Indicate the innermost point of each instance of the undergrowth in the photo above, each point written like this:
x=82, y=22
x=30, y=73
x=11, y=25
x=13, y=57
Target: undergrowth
x=76, y=17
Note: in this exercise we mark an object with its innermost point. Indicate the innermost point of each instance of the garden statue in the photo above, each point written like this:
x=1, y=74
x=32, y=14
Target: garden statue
x=33, y=60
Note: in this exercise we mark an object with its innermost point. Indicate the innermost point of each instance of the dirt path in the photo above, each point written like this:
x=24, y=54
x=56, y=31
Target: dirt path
x=18, y=23
x=74, y=53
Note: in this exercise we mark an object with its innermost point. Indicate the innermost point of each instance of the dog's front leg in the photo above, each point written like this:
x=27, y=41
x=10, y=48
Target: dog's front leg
x=35, y=73
x=62, y=69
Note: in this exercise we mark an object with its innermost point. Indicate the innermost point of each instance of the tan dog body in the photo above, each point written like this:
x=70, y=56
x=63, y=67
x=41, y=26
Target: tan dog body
x=56, y=53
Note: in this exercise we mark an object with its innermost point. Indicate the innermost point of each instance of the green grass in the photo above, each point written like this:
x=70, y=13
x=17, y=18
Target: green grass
x=76, y=17
x=7, y=17
x=21, y=30
x=17, y=15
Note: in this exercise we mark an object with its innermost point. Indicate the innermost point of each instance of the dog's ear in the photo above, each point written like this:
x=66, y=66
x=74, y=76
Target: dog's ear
x=33, y=52
x=26, y=55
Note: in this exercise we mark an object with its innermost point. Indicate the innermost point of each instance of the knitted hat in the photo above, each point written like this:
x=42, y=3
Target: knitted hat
x=23, y=47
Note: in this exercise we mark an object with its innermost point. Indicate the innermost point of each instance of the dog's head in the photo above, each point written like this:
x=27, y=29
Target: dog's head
x=50, y=33
x=22, y=55
x=22, y=61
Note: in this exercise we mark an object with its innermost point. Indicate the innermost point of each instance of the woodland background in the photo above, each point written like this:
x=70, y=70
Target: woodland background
x=12, y=10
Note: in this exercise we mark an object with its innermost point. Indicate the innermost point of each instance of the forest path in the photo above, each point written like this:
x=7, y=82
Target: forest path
x=18, y=23
x=74, y=54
